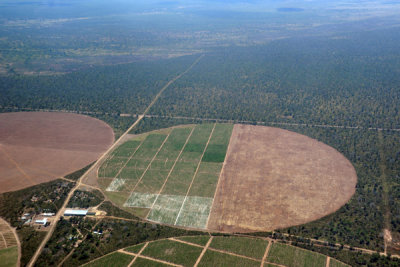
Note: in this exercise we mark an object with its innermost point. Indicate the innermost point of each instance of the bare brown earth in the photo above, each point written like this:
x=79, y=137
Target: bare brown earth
x=275, y=178
x=37, y=147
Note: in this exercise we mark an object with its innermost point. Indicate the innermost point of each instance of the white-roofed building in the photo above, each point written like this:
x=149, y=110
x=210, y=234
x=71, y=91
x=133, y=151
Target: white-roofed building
x=71, y=212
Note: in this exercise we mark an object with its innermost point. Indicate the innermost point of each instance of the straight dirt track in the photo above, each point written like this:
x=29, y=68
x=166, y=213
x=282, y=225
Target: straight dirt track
x=275, y=178
x=37, y=147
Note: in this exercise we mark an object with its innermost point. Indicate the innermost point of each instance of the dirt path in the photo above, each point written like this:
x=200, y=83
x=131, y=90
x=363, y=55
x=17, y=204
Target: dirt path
x=149, y=258
x=328, y=261
x=203, y=252
x=194, y=175
x=264, y=259
x=139, y=253
x=96, y=165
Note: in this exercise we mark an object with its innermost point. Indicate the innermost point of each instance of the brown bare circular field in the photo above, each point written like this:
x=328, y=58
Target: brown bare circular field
x=37, y=147
x=273, y=178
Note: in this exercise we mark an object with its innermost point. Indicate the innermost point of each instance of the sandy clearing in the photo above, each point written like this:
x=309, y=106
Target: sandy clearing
x=275, y=178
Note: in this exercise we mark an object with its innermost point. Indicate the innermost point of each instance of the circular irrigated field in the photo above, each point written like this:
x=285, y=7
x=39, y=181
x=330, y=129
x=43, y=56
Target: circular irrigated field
x=231, y=178
x=37, y=147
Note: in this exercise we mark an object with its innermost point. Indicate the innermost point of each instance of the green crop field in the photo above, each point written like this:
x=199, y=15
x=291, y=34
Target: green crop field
x=173, y=172
x=9, y=256
x=296, y=257
x=336, y=263
x=250, y=247
x=222, y=251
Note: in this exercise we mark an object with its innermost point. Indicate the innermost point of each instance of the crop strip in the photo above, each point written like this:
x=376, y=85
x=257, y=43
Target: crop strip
x=194, y=175
x=170, y=171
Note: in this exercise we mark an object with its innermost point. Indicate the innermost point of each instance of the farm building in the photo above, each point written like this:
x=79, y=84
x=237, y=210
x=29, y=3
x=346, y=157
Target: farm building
x=41, y=222
x=71, y=212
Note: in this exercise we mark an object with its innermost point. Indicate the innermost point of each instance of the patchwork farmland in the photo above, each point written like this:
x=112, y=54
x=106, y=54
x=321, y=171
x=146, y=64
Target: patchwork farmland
x=225, y=177
x=214, y=251
x=169, y=176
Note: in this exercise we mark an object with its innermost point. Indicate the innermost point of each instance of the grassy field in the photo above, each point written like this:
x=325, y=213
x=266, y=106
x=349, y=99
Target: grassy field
x=115, y=259
x=250, y=247
x=173, y=172
x=336, y=263
x=223, y=251
x=9, y=257
x=296, y=257
x=212, y=258
x=174, y=252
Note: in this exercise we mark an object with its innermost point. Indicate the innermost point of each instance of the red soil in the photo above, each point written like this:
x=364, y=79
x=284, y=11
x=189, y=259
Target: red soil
x=37, y=147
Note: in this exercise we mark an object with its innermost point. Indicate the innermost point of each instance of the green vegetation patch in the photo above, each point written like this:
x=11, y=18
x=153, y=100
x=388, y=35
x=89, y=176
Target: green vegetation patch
x=166, y=209
x=137, y=163
x=153, y=141
x=215, y=153
x=195, y=212
x=126, y=149
x=177, y=139
x=131, y=173
x=140, y=262
x=134, y=249
x=178, y=183
x=189, y=167
x=115, y=259
x=195, y=148
x=250, y=247
x=174, y=252
x=199, y=240
x=204, y=185
x=152, y=181
x=9, y=257
x=191, y=156
x=145, y=154
x=210, y=167
x=296, y=257
x=112, y=166
x=336, y=263
x=162, y=164
x=213, y=258
x=140, y=200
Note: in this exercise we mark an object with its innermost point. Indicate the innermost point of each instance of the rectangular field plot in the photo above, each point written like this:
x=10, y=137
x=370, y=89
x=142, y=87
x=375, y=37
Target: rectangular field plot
x=190, y=156
x=131, y=173
x=219, y=142
x=210, y=167
x=222, y=134
x=138, y=163
x=144, y=154
x=115, y=259
x=172, y=251
x=140, y=262
x=140, y=200
x=153, y=141
x=116, y=185
x=199, y=240
x=204, y=185
x=189, y=167
x=167, y=154
x=178, y=183
x=126, y=149
x=165, y=165
x=250, y=247
x=177, y=139
x=152, y=181
x=215, y=153
x=194, y=212
x=166, y=209
x=111, y=166
x=296, y=257
x=213, y=258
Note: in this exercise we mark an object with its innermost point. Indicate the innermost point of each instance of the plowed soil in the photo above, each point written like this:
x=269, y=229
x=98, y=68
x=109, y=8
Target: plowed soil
x=37, y=147
x=275, y=178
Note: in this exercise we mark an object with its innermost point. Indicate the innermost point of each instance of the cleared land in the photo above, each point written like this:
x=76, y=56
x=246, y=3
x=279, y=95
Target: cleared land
x=222, y=251
x=9, y=245
x=37, y=147
x=275, y=178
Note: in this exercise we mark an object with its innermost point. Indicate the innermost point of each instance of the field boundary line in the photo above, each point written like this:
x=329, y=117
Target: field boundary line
x=264, y=258
x=149, y=258
x=203, y=251
x=234, y=254
x=220, y=175
x=170, y=171
x=96, y=165
x=148, y=166
x=328, y=261
x=140, y=252
x=126, y=163
x=186, y=242
x=2, y=237
x=195, y=174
